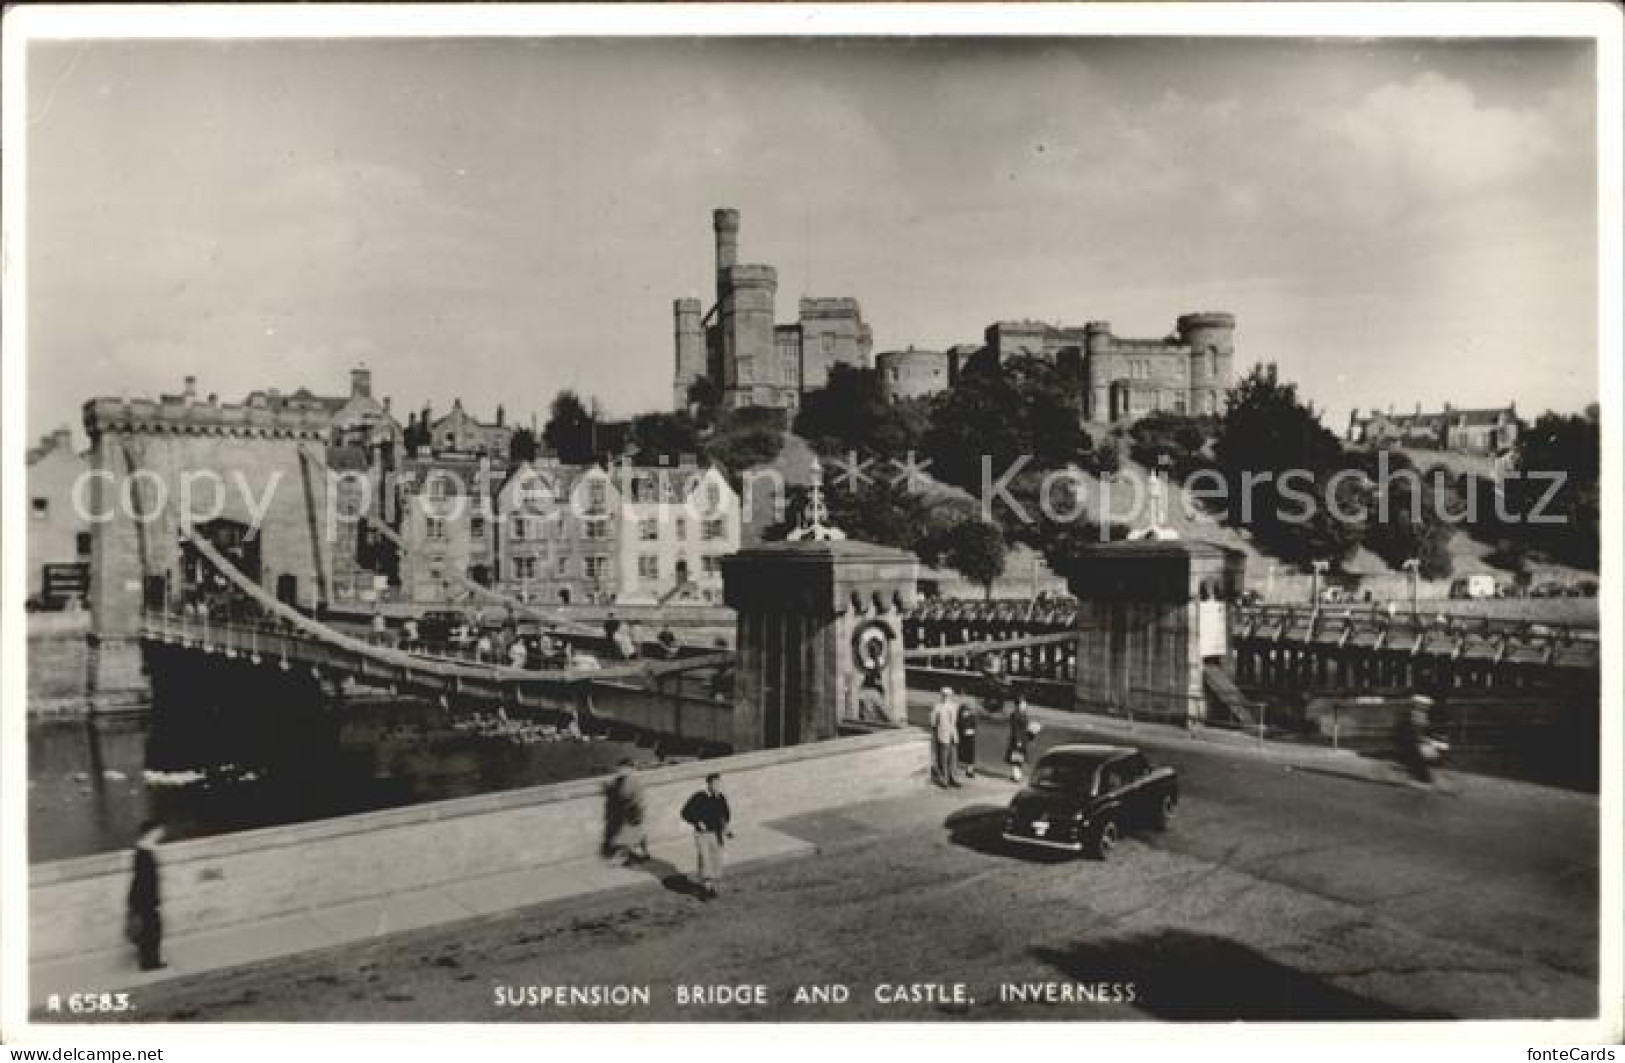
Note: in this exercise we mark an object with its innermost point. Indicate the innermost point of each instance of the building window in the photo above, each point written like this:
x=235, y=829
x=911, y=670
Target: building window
x=434, y=528
x=476, y=527
x=519, y=529
x=597, y=496
x=597, y=567
x=563, y=568
x=711, y=565
x=712, y=530
x=82, y=542
x=42, y=508
x=648, y=529
x=436, y=486
x=524, y=568
x=682, y=528
x=648, y=567
x=595, y=529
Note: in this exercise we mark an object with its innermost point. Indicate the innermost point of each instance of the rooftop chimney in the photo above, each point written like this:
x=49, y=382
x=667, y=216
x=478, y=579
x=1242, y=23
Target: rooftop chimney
x=501, y=415
x=361, y=382
x=191, y=389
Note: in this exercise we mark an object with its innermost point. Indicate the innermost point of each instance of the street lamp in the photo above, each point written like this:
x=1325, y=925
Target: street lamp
x=1413, y=566
x=1316, y=567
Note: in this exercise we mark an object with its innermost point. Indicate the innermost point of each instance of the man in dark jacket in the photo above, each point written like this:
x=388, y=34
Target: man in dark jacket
x=145, y=925
x=707, y=812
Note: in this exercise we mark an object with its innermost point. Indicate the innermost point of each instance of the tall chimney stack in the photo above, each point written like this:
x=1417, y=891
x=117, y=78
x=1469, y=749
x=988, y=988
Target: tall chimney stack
x=361, y=382
x=191, y=389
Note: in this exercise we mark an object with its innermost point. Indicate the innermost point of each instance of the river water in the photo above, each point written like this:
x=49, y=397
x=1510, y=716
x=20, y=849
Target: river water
x=89, y=788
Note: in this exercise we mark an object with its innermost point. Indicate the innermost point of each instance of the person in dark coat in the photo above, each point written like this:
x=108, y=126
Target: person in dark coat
x=145, y=924
x=1015, y=750
x=708, y=813
x=966, y=722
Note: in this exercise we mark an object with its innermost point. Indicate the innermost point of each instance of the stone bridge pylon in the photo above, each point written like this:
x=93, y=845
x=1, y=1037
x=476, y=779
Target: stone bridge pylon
x=236, y=473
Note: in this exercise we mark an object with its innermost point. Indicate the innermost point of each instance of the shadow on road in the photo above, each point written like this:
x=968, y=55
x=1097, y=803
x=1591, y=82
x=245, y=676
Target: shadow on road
x=980, y=829
x=1189, y=977
x=665, y=873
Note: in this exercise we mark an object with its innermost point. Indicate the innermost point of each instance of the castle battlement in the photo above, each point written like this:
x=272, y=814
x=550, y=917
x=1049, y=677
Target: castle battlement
x=157, y=417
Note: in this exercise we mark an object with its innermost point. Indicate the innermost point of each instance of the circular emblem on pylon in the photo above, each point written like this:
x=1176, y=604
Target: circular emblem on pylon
x=871, y=646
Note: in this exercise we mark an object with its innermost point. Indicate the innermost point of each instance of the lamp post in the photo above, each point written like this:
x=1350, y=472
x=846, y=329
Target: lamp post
x=1413, y=568
x=1316, y=568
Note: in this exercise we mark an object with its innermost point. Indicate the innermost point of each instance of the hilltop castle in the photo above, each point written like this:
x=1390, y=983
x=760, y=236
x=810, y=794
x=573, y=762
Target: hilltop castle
x=738, y=345
x=1125, y=379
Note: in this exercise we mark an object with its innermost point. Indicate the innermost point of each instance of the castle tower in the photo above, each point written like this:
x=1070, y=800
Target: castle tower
x=690, y=349
x=752, y=374
x=1099, y=371
x=1211, y=338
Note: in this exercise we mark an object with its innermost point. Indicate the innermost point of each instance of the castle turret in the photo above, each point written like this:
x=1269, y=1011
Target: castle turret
x=1097, y=337
x=689, y=347
x=1210, y=335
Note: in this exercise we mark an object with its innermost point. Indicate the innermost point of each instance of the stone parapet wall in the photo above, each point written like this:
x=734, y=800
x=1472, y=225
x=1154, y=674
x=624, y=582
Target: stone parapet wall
x=77, y=906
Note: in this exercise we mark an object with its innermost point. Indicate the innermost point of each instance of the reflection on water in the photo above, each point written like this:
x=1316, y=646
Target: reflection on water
x=89, y=787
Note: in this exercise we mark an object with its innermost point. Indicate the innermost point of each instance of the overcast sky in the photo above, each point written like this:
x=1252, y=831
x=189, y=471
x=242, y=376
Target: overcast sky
x=1391, y=222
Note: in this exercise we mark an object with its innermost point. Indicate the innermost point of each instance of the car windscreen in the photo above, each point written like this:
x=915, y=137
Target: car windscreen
x=1072, y=774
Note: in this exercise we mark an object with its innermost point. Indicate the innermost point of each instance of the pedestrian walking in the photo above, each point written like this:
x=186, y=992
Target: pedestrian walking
x=144, y=924
x=1015, y=750
x=624, y=832
x=965, y=721
x=945, y=739
x=1411, y=739
x=708, y=813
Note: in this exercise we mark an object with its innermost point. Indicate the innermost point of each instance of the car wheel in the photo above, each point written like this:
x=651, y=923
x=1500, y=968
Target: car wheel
x=1164, y=813
x=1104, y=841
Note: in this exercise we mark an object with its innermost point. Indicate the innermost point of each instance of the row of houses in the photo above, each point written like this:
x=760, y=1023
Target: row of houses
x=457, y=509
x=542, y=532
x=1470, y=431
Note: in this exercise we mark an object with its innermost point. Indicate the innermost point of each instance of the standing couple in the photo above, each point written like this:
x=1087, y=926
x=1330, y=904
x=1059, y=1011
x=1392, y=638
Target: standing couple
x=953, y=739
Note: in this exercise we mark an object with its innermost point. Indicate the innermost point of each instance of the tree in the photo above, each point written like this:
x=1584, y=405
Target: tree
x=739, y=449
x=569, y=429
x=668, y=435
x=1027, y=410
x=522, y=446
x=704, y=400
x=976, y=550
x=1277, y=459
x=851, y=413
x=1564, y=520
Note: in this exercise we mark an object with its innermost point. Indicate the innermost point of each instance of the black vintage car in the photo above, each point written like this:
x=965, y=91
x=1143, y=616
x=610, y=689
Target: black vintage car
x=1084, y=798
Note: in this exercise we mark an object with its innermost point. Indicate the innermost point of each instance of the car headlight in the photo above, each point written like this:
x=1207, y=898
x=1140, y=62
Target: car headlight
x=1078, y=816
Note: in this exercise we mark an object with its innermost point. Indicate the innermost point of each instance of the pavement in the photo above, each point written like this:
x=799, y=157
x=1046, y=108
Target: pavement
x=1220, y=760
